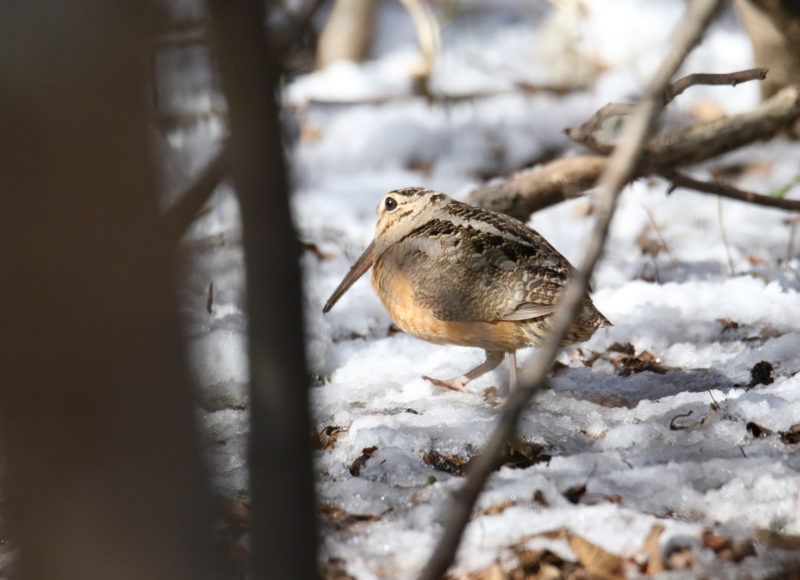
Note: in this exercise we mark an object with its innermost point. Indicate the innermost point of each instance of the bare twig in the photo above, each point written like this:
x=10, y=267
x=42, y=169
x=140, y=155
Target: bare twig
x=661, y=239
x=733, y=79
x=586, y=133
x=619, y=171
x=181, y=215
x=725, y=237
x=726, y=190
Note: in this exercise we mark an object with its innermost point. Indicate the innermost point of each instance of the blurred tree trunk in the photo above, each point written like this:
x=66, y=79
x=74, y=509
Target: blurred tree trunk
x=347, y=34
x=774, y=30
x=103, y=478
x=281, y=483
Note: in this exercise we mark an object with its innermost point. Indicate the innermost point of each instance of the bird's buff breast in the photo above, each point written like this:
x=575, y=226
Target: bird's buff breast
x=393, y=287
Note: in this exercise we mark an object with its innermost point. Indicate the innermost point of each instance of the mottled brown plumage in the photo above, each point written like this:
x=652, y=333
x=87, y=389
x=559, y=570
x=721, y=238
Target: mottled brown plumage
x=451, y=273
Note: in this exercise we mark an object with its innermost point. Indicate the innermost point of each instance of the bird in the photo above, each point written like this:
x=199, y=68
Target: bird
x=451, y=273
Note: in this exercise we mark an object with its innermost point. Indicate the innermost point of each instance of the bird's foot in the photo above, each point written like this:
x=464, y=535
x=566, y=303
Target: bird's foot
x=456, y=384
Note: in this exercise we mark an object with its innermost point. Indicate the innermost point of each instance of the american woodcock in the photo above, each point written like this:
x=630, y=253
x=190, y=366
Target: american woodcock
x=451, y=273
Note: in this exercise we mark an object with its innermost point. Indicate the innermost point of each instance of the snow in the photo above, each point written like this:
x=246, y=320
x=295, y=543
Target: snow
x=706, y=309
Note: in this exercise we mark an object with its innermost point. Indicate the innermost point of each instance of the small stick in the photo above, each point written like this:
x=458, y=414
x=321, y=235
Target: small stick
x=726, y=190
x=725, y=237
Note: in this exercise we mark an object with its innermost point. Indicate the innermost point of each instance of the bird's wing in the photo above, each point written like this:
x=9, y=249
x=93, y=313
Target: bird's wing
x=481, y=268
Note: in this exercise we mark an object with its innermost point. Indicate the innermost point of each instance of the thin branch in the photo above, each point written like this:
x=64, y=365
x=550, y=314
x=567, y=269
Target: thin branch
x=725, y=190
x=619, y=171
x=586, y=133
x=183, y=213
x=732, y=79
x=725, y=237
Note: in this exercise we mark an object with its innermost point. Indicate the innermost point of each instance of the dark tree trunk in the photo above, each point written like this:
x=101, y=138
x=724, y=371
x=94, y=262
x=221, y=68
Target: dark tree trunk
x=281, y=485
x=103, y=477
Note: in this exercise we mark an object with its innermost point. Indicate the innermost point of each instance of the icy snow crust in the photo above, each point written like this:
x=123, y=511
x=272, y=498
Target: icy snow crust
x=707, y=323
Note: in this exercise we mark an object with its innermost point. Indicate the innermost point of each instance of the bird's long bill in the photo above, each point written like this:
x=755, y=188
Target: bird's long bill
x=362, y=265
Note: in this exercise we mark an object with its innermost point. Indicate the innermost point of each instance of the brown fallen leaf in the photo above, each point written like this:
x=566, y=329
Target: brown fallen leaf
x=624, y=348
x=655, y=563
x=333, y=569
x=496, y=509
x=761, y=374
x=575, y=493
x=539, y=499
x=325, y=439
x=757, y=430
x=627, y=364
x=231, y=526
x=339, y=519
x=792, y=436
x=451, y=464
x=596, y=560
x=358, y=465
x=519, y=453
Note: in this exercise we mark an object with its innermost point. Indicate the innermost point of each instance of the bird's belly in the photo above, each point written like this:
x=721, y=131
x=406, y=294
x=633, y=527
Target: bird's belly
x=395, y=292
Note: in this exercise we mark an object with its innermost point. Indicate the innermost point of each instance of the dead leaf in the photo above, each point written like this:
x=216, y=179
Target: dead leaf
x=333, y=569
x=575, y=493
x=624, y=348
x=715, y=542
x=451, y=464
x=358, y=465
x=792, y=436
x=519, y=453
x=496, y=509
x=727, y=324
x=539, y=499
x=757, y=430
x=325, y=439
x=650, y=549
x=340, y=519
x=231, y=525
x=761, y=374
x=596, y=560
x=627, y=364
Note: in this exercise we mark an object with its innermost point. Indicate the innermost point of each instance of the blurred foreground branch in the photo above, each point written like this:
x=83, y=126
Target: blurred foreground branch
x=284, y=537
x=618, y=172
x=102, y=473
x=567, y=178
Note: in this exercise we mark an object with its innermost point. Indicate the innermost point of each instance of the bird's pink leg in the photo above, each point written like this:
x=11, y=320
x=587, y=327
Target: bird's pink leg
x=493, y=358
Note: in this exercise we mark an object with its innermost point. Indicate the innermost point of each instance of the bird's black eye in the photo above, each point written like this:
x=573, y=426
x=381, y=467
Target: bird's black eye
x=390, y=204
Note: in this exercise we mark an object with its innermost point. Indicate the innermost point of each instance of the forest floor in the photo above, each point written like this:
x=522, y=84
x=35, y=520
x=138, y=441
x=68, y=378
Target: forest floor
x=667, y=442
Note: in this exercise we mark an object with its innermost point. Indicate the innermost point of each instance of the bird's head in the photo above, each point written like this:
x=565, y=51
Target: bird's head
x=400, y=212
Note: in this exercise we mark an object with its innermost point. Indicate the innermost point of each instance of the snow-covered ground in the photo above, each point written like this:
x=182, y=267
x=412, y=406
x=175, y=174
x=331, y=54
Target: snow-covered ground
x=709, y=288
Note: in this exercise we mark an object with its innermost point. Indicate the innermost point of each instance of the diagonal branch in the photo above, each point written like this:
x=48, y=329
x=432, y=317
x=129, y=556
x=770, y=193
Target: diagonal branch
x=619, y=171
x=180, y=216
x=726, y=190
